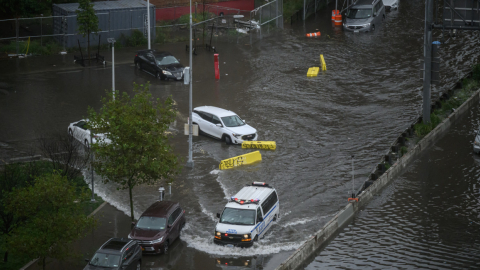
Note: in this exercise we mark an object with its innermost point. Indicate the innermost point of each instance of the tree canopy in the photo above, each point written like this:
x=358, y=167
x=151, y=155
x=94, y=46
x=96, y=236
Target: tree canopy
x=53, y=218
x=139, y=152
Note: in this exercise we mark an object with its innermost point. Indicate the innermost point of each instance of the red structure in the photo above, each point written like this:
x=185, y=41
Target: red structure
x=172, y=13
x=217, y=66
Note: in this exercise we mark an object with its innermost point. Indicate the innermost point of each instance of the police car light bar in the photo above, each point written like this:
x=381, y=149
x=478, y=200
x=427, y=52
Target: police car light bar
x=260, y=184
x=243, y=201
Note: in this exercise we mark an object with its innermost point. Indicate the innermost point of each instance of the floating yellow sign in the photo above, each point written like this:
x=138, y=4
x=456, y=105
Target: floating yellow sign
x=240, y=160
x=260, y=145
x=313, y=71
x=322, y=62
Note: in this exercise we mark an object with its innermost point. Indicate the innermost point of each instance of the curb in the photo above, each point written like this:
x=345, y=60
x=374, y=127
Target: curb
x=344, y=216
x=91, y=214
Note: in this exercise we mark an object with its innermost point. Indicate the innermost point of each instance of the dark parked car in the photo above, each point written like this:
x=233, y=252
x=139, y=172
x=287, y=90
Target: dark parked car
x=117, y=253
x=162, y=65
x=159, y=226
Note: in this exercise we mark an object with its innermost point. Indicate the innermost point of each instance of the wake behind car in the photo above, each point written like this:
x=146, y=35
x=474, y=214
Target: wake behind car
x=223, y=124
x=80, y=132
x=247, y=216
x=162, y=65
x=117, y=253
x=159, y=226
x=364, y=16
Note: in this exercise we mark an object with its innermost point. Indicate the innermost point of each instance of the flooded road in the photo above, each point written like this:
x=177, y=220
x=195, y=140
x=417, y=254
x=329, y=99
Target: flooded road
x=426, y=219
x=368, y=95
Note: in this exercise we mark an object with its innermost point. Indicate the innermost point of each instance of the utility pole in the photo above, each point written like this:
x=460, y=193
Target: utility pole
x=148, y=23
x=112, y=41
x=190, y=127
x=91, y=166
x=427, y=77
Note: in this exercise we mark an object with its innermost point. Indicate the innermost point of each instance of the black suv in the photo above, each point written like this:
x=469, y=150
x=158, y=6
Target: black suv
x=162, y=65
x=117, y=253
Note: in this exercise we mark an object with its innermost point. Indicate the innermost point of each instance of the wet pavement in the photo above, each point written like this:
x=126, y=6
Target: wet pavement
x=429, y=218
x=368, y=95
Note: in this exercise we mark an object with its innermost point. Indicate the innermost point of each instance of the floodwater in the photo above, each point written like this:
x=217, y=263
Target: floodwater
x=426, y=219
x=369, y=94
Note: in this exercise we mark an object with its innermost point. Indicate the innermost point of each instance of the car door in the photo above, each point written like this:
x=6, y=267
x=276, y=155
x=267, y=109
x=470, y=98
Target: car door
x=128, y=260
x=172, y=229
x=150, y=63
x=216, y=130
x=260, y=222
x=80, y=132
x=207, y=124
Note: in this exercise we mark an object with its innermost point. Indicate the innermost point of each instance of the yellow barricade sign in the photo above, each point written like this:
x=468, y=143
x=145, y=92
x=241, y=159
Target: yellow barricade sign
x=322, y=62
x=240, y=160
x=260, y=145
x=313, y=71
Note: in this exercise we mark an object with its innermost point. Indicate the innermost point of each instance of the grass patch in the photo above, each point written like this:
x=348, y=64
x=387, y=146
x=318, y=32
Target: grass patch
x=403, y=150
x=49, y=47
x=290, y=7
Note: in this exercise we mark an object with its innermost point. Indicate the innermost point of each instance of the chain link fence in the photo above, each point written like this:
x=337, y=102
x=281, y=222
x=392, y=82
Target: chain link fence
x=212, y=23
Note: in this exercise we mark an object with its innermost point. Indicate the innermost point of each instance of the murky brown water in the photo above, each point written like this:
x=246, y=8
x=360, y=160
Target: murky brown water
x=369, y=94
x=426, y=219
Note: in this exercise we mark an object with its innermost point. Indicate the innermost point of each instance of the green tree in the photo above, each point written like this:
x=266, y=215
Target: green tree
x=87, y=21
x=54, y=218
x=140, y=152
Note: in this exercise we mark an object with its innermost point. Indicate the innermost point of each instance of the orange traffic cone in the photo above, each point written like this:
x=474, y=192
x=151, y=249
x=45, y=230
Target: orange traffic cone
x=317, y=34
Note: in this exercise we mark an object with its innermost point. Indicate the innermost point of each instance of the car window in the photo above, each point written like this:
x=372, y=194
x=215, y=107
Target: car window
x=105, y=260
x=259, y=214
x=127, y=254
x=150, y=58
x=363, y=13
x=206, y=116
x=375, y=9
x=151, y=223
x=238, y=216
x=232, y=121
x=82, y=125
x=269, y=202
x=167, y=60
x=216, y=120
x=171, y=219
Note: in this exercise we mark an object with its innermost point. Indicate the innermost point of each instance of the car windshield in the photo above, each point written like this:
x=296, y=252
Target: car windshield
x=151, y=223
x=232, y=121
x=360, y=13
x=238, y=216
x=167, y=60
x=105, y=260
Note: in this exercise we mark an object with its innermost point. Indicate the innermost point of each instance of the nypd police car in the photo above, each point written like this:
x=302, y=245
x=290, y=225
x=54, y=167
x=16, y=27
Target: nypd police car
x=247, y=216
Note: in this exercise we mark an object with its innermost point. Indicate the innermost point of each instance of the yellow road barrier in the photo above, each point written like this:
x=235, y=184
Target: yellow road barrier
x=322, y=62
x=313, y=71
x=269, y=145
x=240, y=160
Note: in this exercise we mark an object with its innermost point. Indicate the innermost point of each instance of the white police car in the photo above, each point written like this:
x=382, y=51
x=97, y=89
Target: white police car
x=247, y=216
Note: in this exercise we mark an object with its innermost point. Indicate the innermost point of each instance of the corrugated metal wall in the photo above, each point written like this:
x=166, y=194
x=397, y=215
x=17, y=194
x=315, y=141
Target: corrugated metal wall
x=113, y=23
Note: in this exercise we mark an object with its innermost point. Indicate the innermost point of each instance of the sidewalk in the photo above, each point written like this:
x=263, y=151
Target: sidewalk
x=111, y=223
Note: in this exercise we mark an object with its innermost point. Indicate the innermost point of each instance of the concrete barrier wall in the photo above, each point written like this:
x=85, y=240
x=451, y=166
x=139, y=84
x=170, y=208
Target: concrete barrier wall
x=305, y=251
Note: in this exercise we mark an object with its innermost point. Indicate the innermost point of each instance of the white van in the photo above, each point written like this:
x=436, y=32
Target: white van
x=247, y=216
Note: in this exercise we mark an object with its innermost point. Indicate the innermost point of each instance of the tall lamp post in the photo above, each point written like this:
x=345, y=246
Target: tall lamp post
x=112, y=41
x=190, y=128
x=148, y=23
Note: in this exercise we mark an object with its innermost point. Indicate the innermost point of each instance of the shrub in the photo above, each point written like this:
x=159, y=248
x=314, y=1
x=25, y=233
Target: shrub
x=476, y=72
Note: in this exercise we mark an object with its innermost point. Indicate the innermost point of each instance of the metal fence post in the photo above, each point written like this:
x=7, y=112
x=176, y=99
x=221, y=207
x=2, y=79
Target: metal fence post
x=16, y=35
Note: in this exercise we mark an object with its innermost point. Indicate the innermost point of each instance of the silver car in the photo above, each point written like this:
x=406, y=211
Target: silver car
x=364, y=16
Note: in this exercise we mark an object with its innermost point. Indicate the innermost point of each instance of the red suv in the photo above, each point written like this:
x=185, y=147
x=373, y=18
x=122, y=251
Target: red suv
x=158, y=226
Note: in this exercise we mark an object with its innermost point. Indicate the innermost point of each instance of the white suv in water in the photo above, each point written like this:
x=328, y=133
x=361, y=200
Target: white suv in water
x=223, y=124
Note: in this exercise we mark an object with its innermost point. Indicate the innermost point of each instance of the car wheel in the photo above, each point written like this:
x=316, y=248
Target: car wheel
x=228, y=140
x=138, y=65
x=373, y=27
x=70, y=132
x=87, y=145
x=256, y=238
x=165, y=247
x=275, y=218
x=158, y=76
x=139, y=265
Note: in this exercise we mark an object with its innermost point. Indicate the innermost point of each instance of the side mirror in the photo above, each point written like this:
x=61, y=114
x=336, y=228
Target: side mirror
x=169, y=226
x=260, y=219
x=218, y=215
x=219, y=125
x=374, y=14
x=244, y=121
x=133, y=224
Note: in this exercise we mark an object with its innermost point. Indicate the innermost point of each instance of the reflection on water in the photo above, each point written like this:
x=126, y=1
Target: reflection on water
x=428, y=218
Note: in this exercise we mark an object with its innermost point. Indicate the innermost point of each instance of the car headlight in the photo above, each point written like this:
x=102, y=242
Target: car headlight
x=366, y=25
x=129, y=237
x=166, y=72
x=344, y=24
x=217, y=233
x=157, y=240
x=237, y=135
x=246, y=236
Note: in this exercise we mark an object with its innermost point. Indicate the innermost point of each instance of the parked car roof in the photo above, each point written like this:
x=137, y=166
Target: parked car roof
x=160, y=209
x=215, y=110
x=115, y=244
x=159, y=53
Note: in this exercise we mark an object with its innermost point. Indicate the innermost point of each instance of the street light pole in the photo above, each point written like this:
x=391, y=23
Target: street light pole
x=190, y=128
x=148, y=22
x=112, y=41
